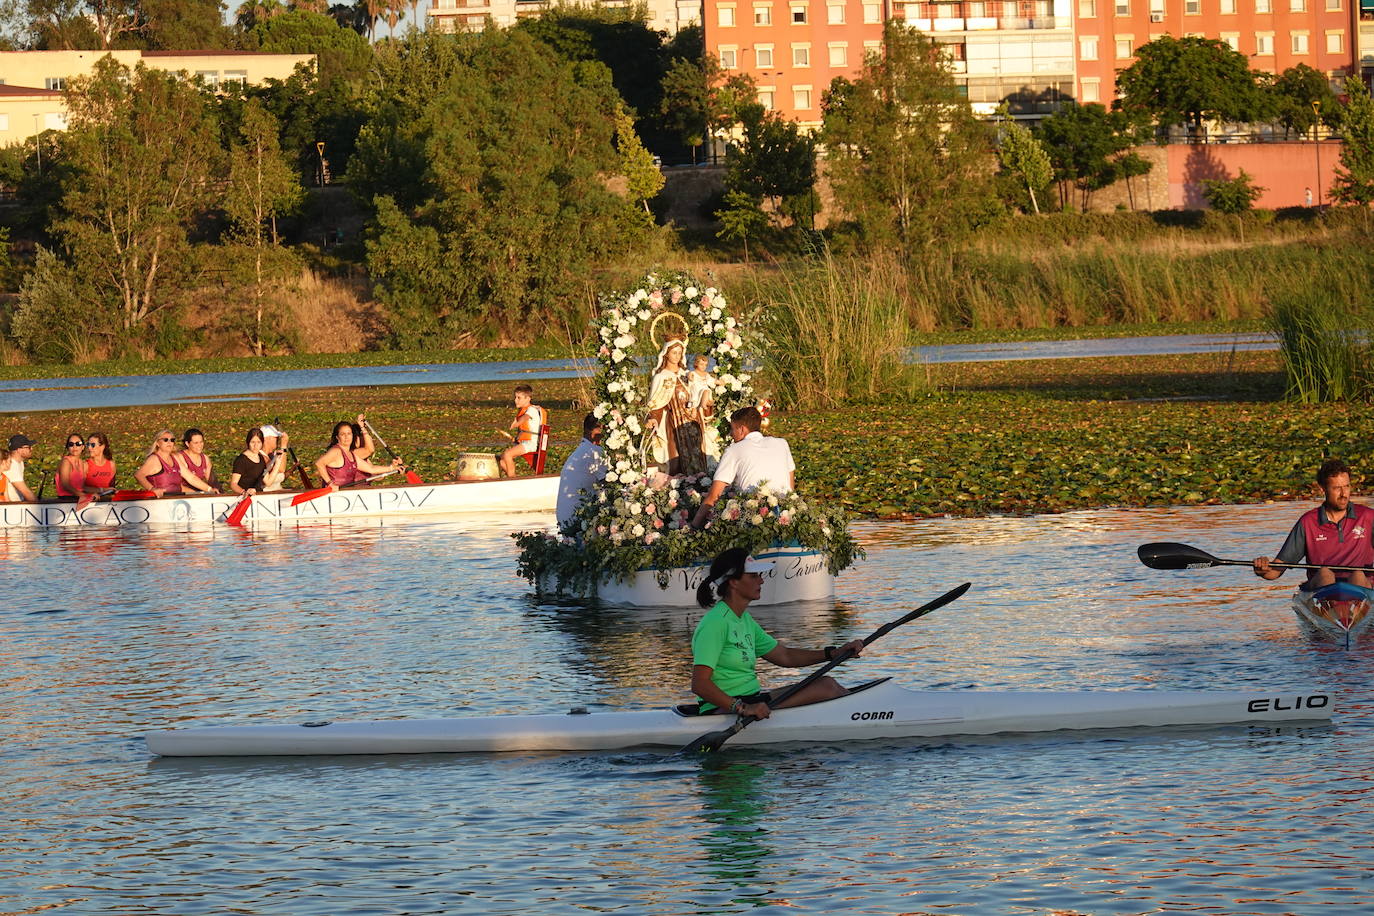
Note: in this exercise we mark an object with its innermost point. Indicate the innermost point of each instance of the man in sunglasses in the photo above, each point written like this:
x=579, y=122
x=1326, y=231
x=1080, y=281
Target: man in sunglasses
x=21, y=450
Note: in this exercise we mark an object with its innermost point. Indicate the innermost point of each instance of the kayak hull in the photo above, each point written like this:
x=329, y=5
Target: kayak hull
x=798, y=574
x=1340, y=611
x=520, y=494
x=880, y=710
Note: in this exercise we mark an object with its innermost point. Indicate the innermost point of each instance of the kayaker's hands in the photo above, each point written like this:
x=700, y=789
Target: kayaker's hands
x=1264, y=570
x=854, y=647
x=756, y=710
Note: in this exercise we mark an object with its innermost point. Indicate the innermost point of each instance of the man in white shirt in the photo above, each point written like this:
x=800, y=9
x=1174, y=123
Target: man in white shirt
x=581, y=472
x=751, y=460
x=21, y=450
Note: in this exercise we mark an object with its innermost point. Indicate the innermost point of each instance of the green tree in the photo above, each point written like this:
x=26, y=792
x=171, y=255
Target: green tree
x=773, y=158
x=1084, y=143
x=1185, y=81
x=491, y=199
x=644, y=179
x=1023, y=156
x=144, y=151
x=261, y=187
x=701, y=99
x=1299, y=94
x=1354, y=181
x=741, y=219
x=908, y=162
x=342, y=54
x=1232, y=195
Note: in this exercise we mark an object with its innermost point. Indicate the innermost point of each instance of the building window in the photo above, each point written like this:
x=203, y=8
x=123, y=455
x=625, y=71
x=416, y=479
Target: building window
x=834, y=13
x=1333, y=5
x=839, y=55
x=1335, y=42
x=55, y=82
x=799, y=15
x=1231, y=40
x=1263, y=6
x=873, y=12
x=1192, y=7
x=1297, y=6
x=1092, y=91
x=1087, y=9
x=1087, y=48
x=763, y=15
x=976, y=10
x=235, y=78
x=1264, y=43
x=725, y=16
x=1123, y=7
x=766, y=99
x=763, y=56
x=801, y=98
x=729, y=58
x=1299, y=42
x=1228, y=7
x=1123, y=47
x=801, y=55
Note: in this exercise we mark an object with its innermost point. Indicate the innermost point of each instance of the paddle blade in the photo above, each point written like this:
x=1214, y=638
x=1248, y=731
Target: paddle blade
x=1168, y=555
x=240, y=510
x=121, y=496
x=412, y=478
x=711, y=742
x=308, y=495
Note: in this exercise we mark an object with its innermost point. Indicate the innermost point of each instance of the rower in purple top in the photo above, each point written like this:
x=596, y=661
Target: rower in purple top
x=1336, y=533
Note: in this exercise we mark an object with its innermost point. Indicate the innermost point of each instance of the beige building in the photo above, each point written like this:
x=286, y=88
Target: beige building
x=471, y=15
x=31, y=82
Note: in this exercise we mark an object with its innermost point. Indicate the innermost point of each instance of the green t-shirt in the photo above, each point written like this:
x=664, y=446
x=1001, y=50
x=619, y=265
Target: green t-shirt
x=728, y=644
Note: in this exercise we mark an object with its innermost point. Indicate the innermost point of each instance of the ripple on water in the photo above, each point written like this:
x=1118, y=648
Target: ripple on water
x=137, y=629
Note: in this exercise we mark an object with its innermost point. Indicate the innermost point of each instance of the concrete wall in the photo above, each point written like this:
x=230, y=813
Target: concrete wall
x=1287, y=171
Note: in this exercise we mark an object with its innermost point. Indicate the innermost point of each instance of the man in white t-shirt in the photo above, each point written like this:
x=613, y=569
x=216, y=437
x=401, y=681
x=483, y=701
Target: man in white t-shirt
x=581, y=472
x=751, y=460
x=21, y=450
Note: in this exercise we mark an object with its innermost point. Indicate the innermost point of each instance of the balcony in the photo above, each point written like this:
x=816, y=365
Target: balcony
x=986, y=24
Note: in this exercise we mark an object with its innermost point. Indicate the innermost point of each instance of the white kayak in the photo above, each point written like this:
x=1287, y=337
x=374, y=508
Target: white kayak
x=798, y=574
x=876, y=710
x=519, y=494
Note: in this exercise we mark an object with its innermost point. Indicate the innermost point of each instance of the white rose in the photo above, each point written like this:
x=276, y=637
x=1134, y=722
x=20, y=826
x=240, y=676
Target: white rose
x=617, y=355
x=694, y=310
x=690, y=292
x=611, y=478
x=622, y=465
x=644, y=314
x=636, y=509
x=730, y=323
x=600, y=410
x=633, y=425
x=637, y=531
x=623, y=326
x=715, y=314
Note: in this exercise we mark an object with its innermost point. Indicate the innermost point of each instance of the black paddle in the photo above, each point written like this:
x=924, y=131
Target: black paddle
x=1180, y=556
x=711, y=741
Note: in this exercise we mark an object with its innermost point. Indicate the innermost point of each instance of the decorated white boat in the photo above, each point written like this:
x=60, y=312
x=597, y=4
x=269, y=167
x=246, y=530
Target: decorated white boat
x=876, y=710
x=633, y=540
x=520, y=494
x=1340, y=611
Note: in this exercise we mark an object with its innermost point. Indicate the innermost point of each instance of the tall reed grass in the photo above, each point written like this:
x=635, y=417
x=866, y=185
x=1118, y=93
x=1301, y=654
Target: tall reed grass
x=1325, y=326
x=838, y=331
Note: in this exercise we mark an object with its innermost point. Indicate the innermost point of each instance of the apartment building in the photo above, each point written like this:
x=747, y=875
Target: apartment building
x=31, y=82
x=1273, y=34
x=471, y=15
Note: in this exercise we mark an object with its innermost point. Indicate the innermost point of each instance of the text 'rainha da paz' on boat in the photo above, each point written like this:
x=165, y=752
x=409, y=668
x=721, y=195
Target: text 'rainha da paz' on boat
x=673, y=366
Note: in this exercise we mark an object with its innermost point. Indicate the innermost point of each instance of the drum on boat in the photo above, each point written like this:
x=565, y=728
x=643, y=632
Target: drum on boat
x=477, y=466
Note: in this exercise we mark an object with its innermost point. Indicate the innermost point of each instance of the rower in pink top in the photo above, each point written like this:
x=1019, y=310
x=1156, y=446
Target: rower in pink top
x=345, y=461
x=1336, y=533
x=162, y=473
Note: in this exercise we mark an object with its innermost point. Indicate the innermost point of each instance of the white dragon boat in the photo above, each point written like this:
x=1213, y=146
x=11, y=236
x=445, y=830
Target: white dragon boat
x=876, y=710
x=520, y=494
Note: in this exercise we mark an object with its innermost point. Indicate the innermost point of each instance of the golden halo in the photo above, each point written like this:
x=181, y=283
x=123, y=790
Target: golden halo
x=653, y=329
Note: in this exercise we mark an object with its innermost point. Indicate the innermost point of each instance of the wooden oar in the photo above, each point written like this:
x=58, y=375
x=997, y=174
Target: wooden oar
x=295, y=462
x=300, y=498
x=711, y=741
x=411, y=477
x=1168, y=555
x=235, y=516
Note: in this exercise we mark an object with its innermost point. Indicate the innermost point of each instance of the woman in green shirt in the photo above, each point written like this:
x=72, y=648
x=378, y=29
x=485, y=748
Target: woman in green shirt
x=728, y=640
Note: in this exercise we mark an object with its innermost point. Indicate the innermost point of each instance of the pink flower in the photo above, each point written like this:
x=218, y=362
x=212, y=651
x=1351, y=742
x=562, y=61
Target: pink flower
x=658, y=523
x=650, y=509
x=784, y=517
x=677, y=296
x=604, y=351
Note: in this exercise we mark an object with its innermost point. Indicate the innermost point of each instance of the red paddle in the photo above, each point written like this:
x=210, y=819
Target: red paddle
x=308, y=495
x=411, y=477
x=121, y=496
x=235, y=516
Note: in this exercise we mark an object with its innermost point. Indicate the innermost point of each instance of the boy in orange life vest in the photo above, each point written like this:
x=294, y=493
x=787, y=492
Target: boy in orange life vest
x=528, y=419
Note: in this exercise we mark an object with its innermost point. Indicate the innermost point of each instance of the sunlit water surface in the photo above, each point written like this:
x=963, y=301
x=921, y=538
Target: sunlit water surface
x=109, y=633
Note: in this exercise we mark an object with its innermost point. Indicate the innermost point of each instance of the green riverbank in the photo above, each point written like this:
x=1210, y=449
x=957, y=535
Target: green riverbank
x=989, y=438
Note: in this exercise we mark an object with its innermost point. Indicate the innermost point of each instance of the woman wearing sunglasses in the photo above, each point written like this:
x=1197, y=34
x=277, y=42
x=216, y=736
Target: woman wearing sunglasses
x=70, y=475
x=162, y=474
x=100, y=465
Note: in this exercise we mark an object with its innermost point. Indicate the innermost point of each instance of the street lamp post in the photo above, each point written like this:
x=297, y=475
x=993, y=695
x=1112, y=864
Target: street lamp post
x=1317, y=143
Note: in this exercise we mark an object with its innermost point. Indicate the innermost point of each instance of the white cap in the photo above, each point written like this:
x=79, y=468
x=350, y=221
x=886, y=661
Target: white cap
x=268, y=430
x=757, y=566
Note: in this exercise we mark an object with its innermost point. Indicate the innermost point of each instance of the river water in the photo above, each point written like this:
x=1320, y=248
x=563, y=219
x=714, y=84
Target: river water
x=112, y=632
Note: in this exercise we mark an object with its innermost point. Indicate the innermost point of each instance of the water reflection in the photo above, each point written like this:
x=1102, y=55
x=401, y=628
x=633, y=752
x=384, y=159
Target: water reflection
x=734, y=806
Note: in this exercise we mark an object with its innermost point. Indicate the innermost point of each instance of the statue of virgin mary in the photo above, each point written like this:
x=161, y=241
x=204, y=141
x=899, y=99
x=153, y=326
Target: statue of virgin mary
x=678, y=437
